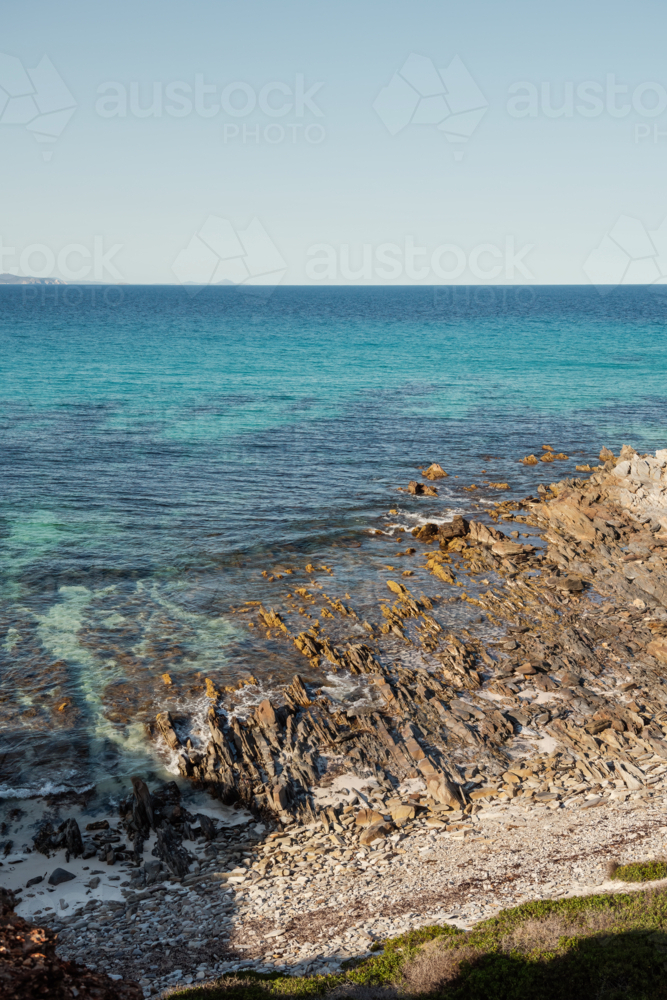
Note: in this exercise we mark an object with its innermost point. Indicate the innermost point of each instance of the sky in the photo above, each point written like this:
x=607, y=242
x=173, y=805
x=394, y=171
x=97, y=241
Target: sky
x=388, y=142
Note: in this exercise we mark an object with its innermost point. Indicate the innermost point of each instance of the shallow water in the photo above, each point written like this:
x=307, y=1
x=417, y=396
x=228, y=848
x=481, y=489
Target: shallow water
x=161, y=449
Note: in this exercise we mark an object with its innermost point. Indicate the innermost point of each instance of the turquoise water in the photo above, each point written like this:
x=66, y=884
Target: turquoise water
x=160, y=449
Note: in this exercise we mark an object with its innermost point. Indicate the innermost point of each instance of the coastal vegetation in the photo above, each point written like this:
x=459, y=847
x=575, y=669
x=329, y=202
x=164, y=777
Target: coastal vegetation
x=603, y=946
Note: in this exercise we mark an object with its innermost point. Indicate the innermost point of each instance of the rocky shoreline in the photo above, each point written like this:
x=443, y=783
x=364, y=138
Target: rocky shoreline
x=467, y=771
x=565, y=670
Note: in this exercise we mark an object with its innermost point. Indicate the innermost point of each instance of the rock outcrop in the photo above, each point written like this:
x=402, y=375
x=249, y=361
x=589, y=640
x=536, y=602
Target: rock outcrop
x=30, y=968
x=561, y=669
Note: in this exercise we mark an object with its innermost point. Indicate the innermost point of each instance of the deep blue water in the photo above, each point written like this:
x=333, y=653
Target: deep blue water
x=159, y=449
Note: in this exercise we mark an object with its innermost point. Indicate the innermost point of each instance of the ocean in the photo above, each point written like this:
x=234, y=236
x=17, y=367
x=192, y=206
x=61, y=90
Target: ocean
x=163, y=447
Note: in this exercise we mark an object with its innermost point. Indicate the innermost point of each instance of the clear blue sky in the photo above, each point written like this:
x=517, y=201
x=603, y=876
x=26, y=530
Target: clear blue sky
x=554, y=184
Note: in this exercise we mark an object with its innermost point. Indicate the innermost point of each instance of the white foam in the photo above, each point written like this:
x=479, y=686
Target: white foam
x=43, y=790
x=243, y=702
x=12, y=638
x=354, y=692
x=418, y=520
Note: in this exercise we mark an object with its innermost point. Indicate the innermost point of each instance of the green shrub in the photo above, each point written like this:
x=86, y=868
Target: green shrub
x=641, y=871
x=607, y=947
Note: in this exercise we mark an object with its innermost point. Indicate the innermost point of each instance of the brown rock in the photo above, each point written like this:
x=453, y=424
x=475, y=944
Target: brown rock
x=426, y=532
x=418, y=489
x=414, y=749
x=441, y=572
x=483, y=793
x=606, y=455
x=504, y=549
x=368, y=817
x=609, y=737
x=573, y=520
x=166, y=727
x=385, y=688
x=279, y=797
x=434, y=471
x=376, y=832
x=458, y=527
x=658, y=649
x=297, y=692
x=401, y=814
x=529, y=460
x=441, y=789
x=265, y=714
x=484, y=534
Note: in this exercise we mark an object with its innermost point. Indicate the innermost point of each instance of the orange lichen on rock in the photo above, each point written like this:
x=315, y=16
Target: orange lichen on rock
x=211, y=690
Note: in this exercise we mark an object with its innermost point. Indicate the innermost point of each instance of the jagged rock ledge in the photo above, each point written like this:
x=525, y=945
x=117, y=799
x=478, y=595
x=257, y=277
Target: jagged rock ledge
x=450, y=724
